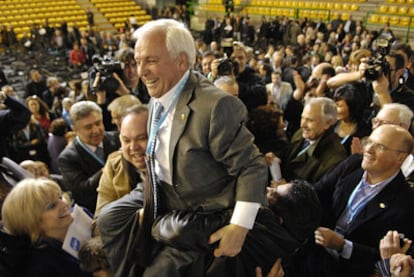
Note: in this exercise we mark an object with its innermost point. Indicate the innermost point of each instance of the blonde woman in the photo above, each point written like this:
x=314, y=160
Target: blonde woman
x=35, y=208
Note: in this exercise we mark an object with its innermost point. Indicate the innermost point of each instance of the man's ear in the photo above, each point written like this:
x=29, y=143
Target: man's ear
x=329, y=122
x=182, y=61
x=281, y=220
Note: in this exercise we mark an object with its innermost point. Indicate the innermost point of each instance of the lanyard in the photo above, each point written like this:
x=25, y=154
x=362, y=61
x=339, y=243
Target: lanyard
x=345, y=139
x=87, y=149
x=353, y=211
x=154, y=129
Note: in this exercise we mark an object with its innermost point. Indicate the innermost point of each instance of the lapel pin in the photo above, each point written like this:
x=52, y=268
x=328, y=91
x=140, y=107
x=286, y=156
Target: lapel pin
x=382, y=205
x=182, y=116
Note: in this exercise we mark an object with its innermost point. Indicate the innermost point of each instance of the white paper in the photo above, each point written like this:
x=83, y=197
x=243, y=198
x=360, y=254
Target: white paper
x=79, y=231
x=275, y=170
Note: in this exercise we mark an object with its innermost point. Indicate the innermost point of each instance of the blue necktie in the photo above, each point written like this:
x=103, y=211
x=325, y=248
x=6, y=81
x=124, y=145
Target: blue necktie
x=100, y=153
x=158, y=109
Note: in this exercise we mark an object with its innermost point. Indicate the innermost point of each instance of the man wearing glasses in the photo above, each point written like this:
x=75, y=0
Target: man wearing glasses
x=395, y=114
x=362, y=198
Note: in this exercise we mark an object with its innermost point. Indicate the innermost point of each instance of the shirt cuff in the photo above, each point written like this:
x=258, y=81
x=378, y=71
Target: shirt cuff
x=244, y=214
x=347, y=250
x=382, y=267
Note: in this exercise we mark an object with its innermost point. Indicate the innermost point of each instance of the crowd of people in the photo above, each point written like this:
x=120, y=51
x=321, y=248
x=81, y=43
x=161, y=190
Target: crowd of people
x=169, y=140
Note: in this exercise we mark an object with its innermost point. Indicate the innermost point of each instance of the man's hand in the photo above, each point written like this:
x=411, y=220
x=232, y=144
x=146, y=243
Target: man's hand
x=356, y=146
x=401, y=265
x=122, y=89
x=329, y=239
x=390, y=245
x=231, y=239
x=276, y=271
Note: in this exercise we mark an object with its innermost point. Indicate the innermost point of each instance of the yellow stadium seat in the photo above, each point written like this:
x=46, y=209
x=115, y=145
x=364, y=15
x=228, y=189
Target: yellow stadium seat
x=394, y=20
x=346, y=6
x=373, y=18
x=383, y=9
x=402, y=10
x=400, y=1
x=392, y=9
x=404, y=21
x=384, y=19
x=411, y=11
x=354, y=7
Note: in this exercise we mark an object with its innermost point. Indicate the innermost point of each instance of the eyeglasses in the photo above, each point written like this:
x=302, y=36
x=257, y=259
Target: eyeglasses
x=378, y=122
x=378, y=147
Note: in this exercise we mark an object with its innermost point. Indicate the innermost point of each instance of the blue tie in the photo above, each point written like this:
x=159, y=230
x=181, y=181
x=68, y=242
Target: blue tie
x=158, y=109
x=100, y=153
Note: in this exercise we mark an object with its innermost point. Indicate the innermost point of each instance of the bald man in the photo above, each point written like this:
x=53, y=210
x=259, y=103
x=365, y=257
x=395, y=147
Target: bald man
x=363, y=198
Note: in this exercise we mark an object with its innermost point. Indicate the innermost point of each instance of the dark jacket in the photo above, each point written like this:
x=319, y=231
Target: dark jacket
x=51, y=260
x=16, y=117
x=319, y=159
x=81, y=171
x=13, y=254
x=252, y=91
x=391, y=209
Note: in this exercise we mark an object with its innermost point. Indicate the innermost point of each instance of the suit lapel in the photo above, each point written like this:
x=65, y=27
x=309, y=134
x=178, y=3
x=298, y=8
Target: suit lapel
x=344, y=191
x=182, y=112
x=379, y=204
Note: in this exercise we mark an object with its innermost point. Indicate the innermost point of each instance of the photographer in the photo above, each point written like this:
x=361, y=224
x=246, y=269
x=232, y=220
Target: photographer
x=383, y=76
x=117, y=77
x=130, y=82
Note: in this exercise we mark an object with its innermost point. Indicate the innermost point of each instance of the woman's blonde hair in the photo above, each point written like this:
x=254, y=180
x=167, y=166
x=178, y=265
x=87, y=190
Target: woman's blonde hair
x=25, y=204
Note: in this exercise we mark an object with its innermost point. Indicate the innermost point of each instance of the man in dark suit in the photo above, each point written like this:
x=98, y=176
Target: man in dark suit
x=314, y=149
x=204, y=161
x=81, y=163
x=363, y=198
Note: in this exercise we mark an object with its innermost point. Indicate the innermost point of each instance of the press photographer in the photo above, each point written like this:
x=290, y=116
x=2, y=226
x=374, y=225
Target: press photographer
x=383, y=76
x=131, y=83
x=119, y=76
x=105, y=76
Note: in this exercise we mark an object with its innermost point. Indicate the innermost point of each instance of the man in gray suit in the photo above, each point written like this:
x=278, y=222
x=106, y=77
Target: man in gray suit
x=278, y=91
x=204, y=161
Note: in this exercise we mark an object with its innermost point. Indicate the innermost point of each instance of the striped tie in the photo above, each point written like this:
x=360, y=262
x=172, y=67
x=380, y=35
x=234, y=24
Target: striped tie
x=158, y=109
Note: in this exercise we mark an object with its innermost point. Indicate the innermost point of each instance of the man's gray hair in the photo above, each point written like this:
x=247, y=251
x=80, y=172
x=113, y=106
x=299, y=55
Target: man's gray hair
x=328, y=107
x=224, y=80
x=177, y=36
x=405, y=115
x=83, y=109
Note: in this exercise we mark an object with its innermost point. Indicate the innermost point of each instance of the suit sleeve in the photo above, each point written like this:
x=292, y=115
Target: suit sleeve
x=232, y=144
x=82, y=185
x=17, y=118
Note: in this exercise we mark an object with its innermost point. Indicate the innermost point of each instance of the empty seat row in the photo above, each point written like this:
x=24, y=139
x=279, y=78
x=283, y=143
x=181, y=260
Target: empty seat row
x=395, y=9
x=393, y=20
x=409, y=2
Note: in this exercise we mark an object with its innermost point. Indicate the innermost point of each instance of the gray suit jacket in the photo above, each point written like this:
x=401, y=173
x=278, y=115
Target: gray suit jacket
x=284, y=94
x=213, y=159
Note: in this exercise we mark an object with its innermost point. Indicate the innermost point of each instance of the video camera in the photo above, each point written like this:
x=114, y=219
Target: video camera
x=378, y=64
x=106, y=66
x=227, y=67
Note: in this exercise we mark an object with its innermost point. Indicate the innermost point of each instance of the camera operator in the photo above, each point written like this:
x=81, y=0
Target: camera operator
x=130, y=82
x=383, y=76
x=392, y=88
